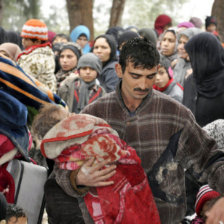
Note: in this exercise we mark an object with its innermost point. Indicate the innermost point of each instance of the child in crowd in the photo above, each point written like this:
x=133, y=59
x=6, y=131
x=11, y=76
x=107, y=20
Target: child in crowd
x=14, y=215
x=81, y=35
x=205, y=199
x=37, y=59
x=165, y=83
x=82, y=90
x=68, y=57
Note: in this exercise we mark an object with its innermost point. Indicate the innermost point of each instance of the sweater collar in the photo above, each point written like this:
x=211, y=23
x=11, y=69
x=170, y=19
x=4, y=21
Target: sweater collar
x=163, y=88
x=32, y=48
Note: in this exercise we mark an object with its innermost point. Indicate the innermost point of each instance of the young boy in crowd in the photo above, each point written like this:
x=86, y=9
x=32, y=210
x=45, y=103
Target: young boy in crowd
x=37, y=60
x=205, y=199
x=165, y=83
x=82, y=90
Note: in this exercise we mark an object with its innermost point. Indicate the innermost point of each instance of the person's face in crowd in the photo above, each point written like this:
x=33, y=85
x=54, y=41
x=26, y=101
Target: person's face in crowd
x=137, y=82
x=211, y=28
x=15, y=220
x=82, y=41
x=26, y=42
x=68, y=60
x=60, y=40
x=87, y=74
x=102, y=49
x=181, y=50
x=168, y=44
x=162, y=77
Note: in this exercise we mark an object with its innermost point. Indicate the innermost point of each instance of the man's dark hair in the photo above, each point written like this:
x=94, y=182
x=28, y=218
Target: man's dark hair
x=14, y=211
x=140, y=52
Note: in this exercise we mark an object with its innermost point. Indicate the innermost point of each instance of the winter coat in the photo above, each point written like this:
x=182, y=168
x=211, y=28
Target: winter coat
x=38, y=61
x=69, y=92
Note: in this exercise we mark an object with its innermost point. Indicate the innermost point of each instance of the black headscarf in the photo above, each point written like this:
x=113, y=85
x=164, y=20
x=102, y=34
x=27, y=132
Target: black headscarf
x=112, y=43
x=3, y=36
x=207, y=60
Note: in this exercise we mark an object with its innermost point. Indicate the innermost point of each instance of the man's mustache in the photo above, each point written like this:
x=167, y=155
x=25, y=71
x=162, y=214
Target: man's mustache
x=141, y=90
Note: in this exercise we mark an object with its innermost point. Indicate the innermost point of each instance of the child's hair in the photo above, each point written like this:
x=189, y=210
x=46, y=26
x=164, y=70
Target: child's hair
x=48, y=116
x=163, y=63
x=14, y=211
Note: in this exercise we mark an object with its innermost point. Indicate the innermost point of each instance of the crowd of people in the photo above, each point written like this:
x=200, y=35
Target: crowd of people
x=129, y=125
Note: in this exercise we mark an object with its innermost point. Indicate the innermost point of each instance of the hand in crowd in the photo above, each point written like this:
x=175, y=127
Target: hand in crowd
x=94, y=175
x=216, y=214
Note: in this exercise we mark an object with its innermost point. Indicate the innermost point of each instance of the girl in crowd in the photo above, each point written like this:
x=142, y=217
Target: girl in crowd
x=168, y=47
x=69, y=55
x=183, y=66
x=81, y=35
x=205, y=95
x=105, y=48
x=165, y=83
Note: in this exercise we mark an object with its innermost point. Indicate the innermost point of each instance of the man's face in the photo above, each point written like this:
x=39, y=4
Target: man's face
x=136, y=82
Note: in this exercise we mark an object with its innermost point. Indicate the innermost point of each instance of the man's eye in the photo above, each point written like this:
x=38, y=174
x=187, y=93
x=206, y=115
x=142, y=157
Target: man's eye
x=150, y=76
x=135, y=76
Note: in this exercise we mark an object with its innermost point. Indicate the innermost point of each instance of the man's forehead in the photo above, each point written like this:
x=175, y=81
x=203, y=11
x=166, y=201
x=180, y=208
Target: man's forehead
x=130, y=67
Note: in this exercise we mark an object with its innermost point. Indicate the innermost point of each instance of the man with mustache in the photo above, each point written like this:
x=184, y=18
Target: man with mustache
x=163, y=132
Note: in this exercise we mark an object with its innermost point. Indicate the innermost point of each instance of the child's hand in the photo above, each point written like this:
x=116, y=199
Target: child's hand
x=216, y=214
x=93, y=175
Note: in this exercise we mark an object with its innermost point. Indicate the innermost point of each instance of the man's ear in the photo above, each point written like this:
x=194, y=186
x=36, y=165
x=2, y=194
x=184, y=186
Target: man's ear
x=119, y=70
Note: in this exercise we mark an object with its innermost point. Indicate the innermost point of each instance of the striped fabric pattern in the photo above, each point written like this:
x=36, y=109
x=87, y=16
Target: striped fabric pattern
x=35, y=29
x=26, y=89
x=205, y=193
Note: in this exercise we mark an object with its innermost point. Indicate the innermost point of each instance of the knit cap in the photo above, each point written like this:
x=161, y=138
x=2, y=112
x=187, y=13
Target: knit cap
x=210, y=20
x=205, y=193
x=35, y=29
x=73, y=47
x=196, y=21
x=90, y=60
x=160, y=23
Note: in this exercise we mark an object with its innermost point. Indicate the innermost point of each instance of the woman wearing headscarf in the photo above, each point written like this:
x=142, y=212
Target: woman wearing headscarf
x=183, y=65
x=105, y=48
x=207, y=60
x=168, y=47
x=10, y=50
x=81, y=35
x=69, y=55
x=3, y=36
x=162, y=22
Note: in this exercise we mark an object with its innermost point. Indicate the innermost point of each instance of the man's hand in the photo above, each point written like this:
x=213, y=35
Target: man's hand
x=93, y=175
x=216, y=213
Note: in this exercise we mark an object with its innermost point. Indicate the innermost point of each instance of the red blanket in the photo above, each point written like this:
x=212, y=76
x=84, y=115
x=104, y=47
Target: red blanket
x=129, y=199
